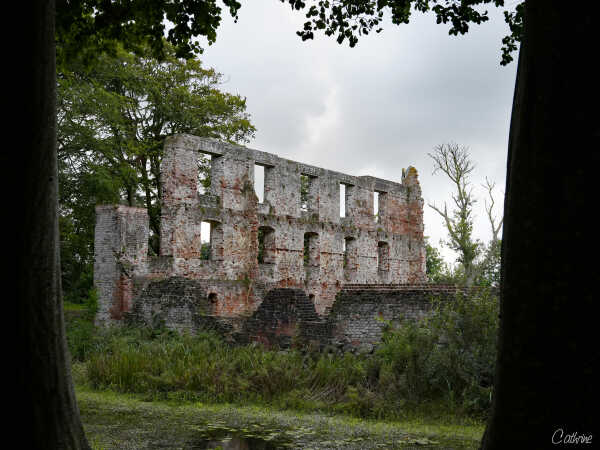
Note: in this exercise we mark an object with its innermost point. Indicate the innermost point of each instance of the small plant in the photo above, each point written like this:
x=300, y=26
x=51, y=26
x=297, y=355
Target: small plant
x=205, y=251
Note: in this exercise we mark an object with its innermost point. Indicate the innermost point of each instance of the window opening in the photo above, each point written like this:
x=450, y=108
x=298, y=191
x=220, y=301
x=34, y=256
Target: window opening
x=304, y=192
x=259, y=182
x=309, y=193
x=204, y=162
x=205, y=234
x=211, y=238
x=342, y=200
x=376, y=205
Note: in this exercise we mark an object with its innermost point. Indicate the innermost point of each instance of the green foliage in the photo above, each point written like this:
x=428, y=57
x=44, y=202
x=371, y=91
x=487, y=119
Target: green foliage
x=352, y=18
x=82, y=336
x=86, y=28
x=205, y=251
x=435, y=267
x=490, y=269
x=449, y=356
x=113, y=117
x=444, y=363
x=91, y=303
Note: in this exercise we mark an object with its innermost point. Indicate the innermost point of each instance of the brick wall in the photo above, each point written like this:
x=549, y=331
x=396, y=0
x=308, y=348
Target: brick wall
x=286, y=316
x=387, y=249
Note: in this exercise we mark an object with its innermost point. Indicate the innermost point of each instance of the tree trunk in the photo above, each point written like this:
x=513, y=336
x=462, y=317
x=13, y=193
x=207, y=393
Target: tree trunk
x=50, y=416
x=548, y=343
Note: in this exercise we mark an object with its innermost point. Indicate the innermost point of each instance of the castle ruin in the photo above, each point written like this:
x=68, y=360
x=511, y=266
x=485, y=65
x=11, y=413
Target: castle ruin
x=297, y=237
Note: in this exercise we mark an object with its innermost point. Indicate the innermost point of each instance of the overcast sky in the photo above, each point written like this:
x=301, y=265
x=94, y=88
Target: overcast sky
x=376, y=108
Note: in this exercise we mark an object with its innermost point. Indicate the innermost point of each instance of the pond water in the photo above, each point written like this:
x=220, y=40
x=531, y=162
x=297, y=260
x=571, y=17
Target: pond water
x=254, y=437
x=238, y=443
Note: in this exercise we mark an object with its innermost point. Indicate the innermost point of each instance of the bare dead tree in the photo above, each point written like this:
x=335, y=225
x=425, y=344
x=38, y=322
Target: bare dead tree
x=454, y=161
x=474, y=256
x=491, y=254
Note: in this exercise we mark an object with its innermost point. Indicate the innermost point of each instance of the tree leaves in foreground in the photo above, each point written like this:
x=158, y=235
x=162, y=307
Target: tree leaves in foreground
x=349, y=19
x=113, y=118
x=87, y=28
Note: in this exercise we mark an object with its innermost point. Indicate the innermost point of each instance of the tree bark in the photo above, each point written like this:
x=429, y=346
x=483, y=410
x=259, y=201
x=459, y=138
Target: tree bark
x=50, y=414
x=548, y=343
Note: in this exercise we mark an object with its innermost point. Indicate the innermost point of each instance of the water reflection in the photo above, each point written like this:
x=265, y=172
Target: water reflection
x=240, y=443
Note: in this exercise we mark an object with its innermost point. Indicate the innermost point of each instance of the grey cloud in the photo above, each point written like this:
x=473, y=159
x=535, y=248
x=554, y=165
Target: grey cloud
x=375, y=108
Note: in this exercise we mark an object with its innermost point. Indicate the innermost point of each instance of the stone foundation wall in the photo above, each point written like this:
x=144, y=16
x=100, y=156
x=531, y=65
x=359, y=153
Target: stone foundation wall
x=287, y=317
x=360, y=313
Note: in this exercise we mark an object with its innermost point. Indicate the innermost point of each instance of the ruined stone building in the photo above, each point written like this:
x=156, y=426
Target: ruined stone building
x=297, y=239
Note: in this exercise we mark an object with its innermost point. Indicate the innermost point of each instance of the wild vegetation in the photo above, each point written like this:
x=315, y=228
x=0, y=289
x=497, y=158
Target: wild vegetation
x=441, y=366
x=112, y=119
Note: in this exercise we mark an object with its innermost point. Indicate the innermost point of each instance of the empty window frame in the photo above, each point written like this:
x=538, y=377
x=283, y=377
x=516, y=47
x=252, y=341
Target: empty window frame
x=345, y=196
x=204, y=162
x=379, y=204
x=308, y=194
x=267, y=250
x=211, y=237
x=259, y=182
x=311, y=249
x=304, y=188
x=383, y=256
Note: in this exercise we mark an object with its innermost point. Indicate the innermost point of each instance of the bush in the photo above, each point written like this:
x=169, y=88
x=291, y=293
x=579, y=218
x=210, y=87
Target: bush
x=444, y=362
x=81, y=333
x=450, y=355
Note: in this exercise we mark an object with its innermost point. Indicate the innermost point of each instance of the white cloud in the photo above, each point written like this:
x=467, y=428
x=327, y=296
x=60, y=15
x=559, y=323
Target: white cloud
x=375, y=108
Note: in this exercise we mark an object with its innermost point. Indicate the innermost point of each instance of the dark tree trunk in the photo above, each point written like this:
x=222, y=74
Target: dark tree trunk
x=548, y=343
x=50, y=415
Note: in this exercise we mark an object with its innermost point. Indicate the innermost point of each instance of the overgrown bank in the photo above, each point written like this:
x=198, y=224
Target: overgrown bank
x=441, y=367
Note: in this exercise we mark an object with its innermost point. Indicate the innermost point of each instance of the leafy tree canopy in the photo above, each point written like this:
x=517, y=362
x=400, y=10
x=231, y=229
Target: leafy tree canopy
x=113, y=117
x=85, y=28
x=349, y=19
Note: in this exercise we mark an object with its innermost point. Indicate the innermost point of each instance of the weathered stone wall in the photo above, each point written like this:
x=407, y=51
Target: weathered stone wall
x=287, y=317
x=387, y=249
x=360, y=312
x=120, y=253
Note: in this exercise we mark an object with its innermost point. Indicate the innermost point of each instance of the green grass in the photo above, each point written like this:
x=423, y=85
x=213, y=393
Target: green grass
x=68, y=306
x=142, y=388
x=124, y=421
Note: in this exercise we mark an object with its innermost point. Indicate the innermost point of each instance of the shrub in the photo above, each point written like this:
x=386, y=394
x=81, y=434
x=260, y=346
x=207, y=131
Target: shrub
x=449, y=355
x=445, y=361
